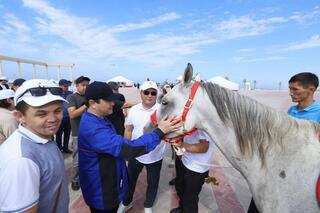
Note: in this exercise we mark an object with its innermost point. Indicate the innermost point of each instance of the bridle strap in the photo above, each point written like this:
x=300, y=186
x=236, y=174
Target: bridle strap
x=153, y=118
x=189, y=102
x=186, y=108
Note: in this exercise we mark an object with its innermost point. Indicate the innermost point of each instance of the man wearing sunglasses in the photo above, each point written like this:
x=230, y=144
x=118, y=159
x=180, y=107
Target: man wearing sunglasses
x=137, y=118
x=76, y=107
x=102, y=152
x=32, y=171
x=8, y=123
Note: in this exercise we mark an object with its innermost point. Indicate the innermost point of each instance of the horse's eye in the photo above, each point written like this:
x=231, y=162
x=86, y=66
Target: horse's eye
x=164, y=102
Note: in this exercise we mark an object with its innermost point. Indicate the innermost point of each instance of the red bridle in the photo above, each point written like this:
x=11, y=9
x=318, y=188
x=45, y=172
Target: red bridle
x=184, y=114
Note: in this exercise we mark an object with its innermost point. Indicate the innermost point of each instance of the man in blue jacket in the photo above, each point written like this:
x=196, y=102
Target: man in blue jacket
x=102, y=152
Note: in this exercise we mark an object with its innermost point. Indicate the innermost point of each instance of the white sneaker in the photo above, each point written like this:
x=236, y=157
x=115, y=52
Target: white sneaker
x=122, y=208
x=147, y=210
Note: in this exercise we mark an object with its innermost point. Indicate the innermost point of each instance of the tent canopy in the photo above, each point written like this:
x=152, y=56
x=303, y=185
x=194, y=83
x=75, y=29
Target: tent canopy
x=221, y=81
x=121, y=79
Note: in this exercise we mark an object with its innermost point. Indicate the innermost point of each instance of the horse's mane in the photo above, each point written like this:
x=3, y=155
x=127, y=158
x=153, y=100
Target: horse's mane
x=256, y=126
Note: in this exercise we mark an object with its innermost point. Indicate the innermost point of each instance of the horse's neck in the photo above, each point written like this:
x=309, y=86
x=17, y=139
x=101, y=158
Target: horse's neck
x=224, y=137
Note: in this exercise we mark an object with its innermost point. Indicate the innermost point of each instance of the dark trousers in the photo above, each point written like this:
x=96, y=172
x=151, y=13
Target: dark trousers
x=252, y=208
x=153, y=176
x=114, y=210
x=64, y=129
x=188, y=185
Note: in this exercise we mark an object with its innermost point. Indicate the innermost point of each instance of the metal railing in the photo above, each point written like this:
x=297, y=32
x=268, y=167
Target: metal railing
x=35, y=63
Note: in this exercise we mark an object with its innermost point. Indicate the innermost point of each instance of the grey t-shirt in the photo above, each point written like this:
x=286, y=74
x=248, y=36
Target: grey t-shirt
x=75, y=100
x=32, y=172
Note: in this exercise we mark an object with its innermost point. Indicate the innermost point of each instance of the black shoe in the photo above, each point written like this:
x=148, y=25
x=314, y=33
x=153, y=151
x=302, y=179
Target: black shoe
x=172, y=182
x=68, y=151
x=176, y=210
x=75, y=186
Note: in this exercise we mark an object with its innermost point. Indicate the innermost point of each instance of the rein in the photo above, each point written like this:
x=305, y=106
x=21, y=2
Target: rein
x=186, y=109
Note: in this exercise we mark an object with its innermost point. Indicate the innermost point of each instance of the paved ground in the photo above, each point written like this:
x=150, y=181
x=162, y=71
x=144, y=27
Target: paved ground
x=230, y=196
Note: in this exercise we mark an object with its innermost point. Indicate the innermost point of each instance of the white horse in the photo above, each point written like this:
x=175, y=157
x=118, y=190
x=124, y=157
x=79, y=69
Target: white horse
x=278, y=156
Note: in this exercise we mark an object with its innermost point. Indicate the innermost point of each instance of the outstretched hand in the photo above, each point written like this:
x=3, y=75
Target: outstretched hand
x=169, y=124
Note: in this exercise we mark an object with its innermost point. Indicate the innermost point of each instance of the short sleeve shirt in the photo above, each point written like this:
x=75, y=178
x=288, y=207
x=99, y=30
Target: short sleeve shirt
x=75, y=100
x=32, y=173
x=198, y=162
x=138, y=117
x=311, y=112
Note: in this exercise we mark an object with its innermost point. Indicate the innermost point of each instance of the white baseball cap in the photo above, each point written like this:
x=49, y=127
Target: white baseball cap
x=148, y=85
x=23, y=93
x=6, y=93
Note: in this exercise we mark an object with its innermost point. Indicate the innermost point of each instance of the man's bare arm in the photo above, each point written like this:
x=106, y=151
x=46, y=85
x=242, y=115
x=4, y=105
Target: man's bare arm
x=200, y=147
x=33, y=209
x=128, y=131
x=74, y=113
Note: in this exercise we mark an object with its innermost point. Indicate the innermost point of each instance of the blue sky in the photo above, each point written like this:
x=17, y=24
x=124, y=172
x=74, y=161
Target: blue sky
x=266, y=41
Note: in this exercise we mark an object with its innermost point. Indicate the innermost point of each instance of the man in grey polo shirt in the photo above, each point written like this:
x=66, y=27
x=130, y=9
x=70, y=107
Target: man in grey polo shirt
x=32, y=172
x=76, y=107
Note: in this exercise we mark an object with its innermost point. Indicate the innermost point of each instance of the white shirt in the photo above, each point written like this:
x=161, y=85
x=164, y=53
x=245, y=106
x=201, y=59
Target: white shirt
x=138, y=117
x=198, y=162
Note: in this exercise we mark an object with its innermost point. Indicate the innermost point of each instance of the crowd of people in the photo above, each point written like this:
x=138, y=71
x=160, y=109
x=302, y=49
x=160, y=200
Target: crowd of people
x=108, y=145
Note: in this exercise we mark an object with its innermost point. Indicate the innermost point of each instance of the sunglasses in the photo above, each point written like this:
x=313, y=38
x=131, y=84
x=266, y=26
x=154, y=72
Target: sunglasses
x=42, y=91
x=146, y=92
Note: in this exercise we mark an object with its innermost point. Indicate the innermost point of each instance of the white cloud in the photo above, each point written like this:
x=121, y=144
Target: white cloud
x=306, y=17
x=247, y=26
x=246, y=50
x=88, y=39
x=15, y=35
x=255, y=60
x=145, y=24
x=313, y=42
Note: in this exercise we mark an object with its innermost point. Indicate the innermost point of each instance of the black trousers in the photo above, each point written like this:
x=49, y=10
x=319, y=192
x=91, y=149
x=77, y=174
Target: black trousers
x=153, y=176
x=252, y=208
x=64, y=129
x=188, y=185
x=93, y=210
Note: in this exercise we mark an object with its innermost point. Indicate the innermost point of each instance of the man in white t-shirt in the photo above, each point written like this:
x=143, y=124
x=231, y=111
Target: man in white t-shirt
x=137, y=118
x=192, y=169
x=32, y=171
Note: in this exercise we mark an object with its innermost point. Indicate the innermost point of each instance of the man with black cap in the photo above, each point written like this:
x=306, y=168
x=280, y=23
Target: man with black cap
x=65, y=127
x=102, y=152
x=76, y=107
x=17, y=83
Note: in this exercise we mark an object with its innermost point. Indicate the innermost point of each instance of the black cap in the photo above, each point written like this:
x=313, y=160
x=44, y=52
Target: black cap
x=81, y=79
x=113, y=85
x=100, y=90
x=64, y=82
x=18, y=82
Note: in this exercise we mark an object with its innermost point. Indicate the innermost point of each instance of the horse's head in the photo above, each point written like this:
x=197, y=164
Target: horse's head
x=174, y=103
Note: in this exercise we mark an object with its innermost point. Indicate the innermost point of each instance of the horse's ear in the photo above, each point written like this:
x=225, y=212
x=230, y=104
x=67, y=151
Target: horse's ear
x=188, y=73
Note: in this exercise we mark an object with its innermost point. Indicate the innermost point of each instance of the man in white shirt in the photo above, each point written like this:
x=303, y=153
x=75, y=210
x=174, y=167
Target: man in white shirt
x=32, y=172
x=137, y=118
x=192, y=169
